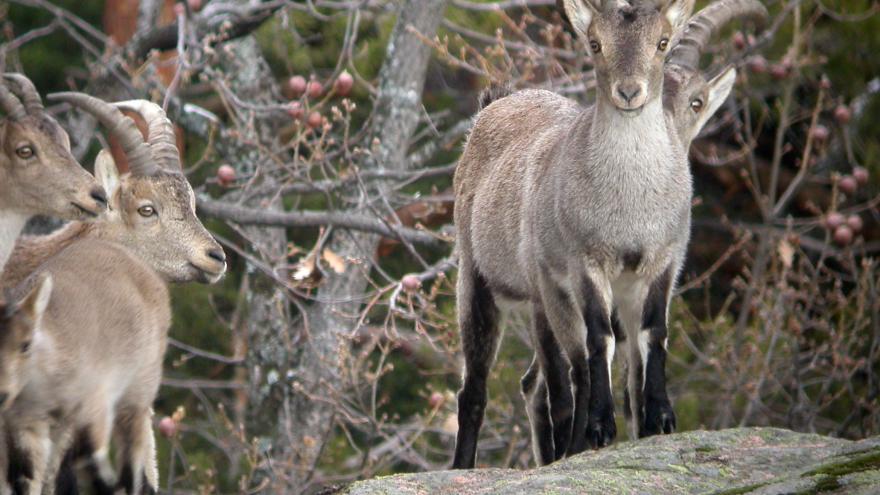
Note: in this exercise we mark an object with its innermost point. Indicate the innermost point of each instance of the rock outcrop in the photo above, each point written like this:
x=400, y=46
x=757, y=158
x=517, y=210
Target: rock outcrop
x=736, y=461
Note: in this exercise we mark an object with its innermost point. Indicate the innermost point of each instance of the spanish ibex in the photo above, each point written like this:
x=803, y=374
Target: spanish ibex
x=689, y=100
x=152, y=208
x=81, y=355
x=38, y=175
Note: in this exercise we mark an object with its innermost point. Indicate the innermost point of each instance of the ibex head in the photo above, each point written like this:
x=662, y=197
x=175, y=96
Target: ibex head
x=19, y=324
x=687, y=94
x=629, y=42
x=38, y=175
x=152, y=208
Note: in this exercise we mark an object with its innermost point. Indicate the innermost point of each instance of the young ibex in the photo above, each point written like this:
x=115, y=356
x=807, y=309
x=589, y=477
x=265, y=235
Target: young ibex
x=38, y=175
x=152, y=209
x=81, y=355
x=596, y=206
x=689, y=100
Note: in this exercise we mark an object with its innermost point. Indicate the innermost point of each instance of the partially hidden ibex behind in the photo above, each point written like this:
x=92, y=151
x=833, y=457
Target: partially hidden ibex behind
x=689, y=100
x=38, y=175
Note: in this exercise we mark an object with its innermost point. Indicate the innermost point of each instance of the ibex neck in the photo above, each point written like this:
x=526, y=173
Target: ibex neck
x=11, y=225
x=609, y=123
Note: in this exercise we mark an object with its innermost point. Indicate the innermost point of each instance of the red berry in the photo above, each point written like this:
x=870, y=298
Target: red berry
x=855, y=223
x=820, y=133
x=295, y=110
x=344, y=83
x=315, y=119
x=842, y=114
x=436, y=400
x=848, y=184
x=843, y=235
x=757, y=64
x=861, y=175
x=226, y=175
x=834, y=220
x=195, y=5
x=297, y=85
x=167, y=427
x=779, y=71
x=739, y=40
x=410, y=283
x=314, y=90
x=825, y=83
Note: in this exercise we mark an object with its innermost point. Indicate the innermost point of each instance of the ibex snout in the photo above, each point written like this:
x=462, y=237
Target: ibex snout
x=91, y=204
x=211, y=264
x=629, y=95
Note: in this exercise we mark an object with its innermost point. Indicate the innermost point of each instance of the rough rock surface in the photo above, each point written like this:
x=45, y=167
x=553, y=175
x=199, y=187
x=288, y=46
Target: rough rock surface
x=737, y=461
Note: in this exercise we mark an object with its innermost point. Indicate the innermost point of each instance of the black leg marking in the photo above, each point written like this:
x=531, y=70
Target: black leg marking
x=65, y=482
x=555, y=372
x=602, y=428
x=534, y=392
x=658, y=416
x=126, y=479
x=20, y=469
x=479, y=336
x=580, y=379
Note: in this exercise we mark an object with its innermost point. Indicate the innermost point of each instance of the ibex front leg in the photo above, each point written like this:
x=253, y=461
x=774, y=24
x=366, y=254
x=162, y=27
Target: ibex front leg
x=645, y=320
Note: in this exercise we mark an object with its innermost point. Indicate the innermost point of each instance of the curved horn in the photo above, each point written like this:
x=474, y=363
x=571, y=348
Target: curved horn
x=706, y=22
x=10, y=104
x=123, y=128
x=26, y=91
x=161, y=138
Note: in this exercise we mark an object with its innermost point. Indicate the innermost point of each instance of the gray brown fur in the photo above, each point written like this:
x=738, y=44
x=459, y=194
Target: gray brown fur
x=94, y=362
x=554, y=200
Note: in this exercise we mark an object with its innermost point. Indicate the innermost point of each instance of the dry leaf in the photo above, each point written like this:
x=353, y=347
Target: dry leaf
x=786, y=252
x=305, y=268
x=334, y=260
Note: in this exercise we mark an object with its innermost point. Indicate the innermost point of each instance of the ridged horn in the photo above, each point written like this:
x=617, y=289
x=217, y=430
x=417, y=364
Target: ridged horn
x=10, y=104
x=26, y=92
x=706, y=22
x=140, y=160
x=161, y=138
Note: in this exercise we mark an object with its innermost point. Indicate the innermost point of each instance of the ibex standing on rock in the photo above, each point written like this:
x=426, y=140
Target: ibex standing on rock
x=689, y=100
x=583, y=212
x=38, y=175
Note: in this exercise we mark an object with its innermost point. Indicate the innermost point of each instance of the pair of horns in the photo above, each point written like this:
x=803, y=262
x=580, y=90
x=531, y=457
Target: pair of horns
x=18, y=96
x=145, y=157
x=706, y=22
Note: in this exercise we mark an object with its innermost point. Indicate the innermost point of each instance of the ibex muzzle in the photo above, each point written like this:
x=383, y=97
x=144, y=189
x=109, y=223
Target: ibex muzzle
x=628, y=42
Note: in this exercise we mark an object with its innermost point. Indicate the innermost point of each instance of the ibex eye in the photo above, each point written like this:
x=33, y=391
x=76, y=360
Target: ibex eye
x=146, y=211
x=24, y=152
x=595, y=46
x=697, y=105
x=664, y=43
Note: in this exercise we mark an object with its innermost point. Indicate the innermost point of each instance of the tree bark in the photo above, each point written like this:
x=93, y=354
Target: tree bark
x=395, y=117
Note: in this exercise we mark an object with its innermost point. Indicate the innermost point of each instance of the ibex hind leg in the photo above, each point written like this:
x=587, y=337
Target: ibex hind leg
x=534, y=392
x=137, y=455
x=659, y=416
x=555, y=372
x=478, y=324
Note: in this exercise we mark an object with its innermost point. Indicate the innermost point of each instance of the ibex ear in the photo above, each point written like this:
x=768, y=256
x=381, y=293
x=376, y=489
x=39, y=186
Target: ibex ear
x=678, y=12
x=580, y=13
x=107, y=173
x=718, y=90
x=36, y=301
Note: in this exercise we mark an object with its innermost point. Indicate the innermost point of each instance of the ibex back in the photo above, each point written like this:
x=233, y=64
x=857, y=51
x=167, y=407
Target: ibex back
x=585, y=214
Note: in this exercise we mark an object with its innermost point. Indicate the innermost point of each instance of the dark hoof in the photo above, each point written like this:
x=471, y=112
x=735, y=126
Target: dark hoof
x=659, y=418
x=602, y=430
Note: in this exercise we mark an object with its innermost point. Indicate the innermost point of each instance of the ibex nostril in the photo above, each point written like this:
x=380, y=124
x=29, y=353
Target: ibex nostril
x=628, y=93
x=217, y=254
x=99, y=196
x=3, y=397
